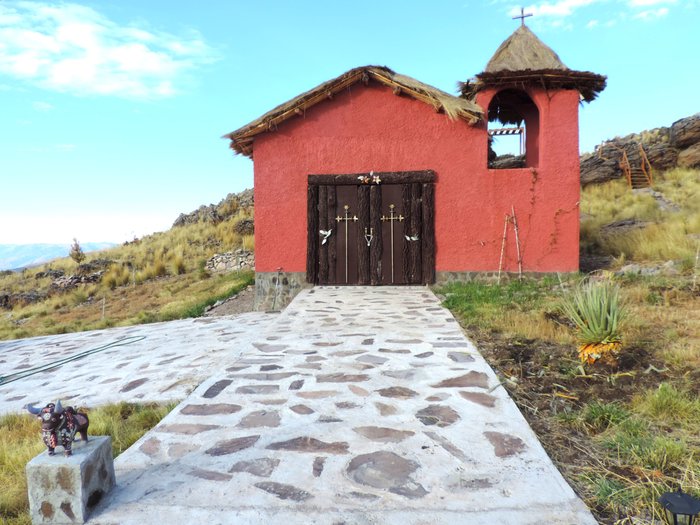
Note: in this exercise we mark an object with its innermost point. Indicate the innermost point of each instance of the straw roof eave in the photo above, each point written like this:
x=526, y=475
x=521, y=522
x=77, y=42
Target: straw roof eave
x=588, y=84
x=454, y=107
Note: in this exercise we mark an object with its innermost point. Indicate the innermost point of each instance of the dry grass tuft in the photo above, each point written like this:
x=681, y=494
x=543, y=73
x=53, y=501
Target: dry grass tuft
x=668, y=235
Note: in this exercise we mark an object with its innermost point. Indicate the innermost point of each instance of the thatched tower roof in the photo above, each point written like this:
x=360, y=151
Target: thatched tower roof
x=454, y=107
x=523, y=59
x=522, y=51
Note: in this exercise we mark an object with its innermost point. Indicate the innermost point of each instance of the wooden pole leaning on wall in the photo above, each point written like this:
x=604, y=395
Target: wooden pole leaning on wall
x=503, y=247
x=510, y=219
x=517, y=243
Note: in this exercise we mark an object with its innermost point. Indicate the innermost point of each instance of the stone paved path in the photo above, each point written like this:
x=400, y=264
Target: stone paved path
x=354, y=406
x=162, y=362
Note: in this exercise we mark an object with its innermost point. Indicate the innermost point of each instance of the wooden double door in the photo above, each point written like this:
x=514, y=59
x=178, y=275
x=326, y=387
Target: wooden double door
x=371, y=228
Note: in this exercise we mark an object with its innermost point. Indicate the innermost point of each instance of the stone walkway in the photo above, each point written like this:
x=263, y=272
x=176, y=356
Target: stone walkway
x=354, y=406
x=155, y=362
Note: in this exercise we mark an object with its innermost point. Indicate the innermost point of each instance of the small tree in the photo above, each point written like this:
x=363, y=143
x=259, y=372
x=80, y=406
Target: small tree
x=76, y=252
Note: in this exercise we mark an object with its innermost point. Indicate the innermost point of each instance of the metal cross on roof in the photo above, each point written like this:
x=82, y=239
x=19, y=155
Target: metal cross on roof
x=522, y=16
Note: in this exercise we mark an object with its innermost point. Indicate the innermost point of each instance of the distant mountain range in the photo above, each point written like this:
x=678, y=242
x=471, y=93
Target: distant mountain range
x=18, y=256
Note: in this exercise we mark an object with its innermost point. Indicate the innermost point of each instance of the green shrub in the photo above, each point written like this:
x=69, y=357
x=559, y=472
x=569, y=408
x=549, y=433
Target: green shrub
x=596, y=310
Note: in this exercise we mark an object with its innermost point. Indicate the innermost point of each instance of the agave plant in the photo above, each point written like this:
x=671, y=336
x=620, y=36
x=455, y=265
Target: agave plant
x=596, y=310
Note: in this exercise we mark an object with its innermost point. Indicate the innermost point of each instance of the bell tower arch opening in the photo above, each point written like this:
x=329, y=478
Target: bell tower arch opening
x=513, y=128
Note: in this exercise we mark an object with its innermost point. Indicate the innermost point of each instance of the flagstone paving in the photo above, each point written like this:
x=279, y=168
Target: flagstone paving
x=353, y=406
x=154, y=362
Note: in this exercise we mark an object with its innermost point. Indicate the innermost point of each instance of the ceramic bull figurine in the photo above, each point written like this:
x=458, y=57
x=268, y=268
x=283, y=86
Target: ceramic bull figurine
x=59, y=426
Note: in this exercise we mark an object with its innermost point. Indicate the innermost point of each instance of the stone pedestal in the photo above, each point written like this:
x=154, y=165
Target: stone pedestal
x=65, y=489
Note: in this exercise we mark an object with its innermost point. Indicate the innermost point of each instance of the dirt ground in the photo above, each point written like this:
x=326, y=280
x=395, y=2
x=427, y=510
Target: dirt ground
x=240, y=303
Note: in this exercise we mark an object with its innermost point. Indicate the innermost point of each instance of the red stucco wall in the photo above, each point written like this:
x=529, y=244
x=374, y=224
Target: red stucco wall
x=369, y=128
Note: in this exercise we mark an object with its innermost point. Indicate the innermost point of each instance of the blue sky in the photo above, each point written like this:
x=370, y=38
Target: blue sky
x=111, y=112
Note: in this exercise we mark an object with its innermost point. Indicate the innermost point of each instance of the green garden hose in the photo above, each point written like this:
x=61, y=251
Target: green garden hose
x=49, y=366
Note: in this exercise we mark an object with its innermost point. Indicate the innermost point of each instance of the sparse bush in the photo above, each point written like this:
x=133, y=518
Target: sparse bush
x=202, y=271
x=159, y=268
x=179, y=267
x=78, y=297
x=117, y=275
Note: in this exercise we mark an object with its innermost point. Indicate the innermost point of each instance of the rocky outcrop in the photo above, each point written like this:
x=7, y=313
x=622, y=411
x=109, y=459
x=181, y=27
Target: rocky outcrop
x=690, y=157
x=216, y=213
x=201, y=214
x=50, y=273
x=686, y=132
x=666, y=148
x=10, y=300
x=231, y=261
x=93, y=267
x=68, y=282
x=244, y=227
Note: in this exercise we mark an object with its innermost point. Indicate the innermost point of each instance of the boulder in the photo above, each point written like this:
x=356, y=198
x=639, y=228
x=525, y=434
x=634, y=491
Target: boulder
x=686, y=132
x=662, y=156
x=245, y=227
x=622, y=226
x=10, y=300
x=68, y=282
x=51, y=273
x=94, y=266
x=595, y=169
x=690, y=157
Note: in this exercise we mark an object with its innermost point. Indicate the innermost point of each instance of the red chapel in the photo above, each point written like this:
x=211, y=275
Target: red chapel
x=384, y=180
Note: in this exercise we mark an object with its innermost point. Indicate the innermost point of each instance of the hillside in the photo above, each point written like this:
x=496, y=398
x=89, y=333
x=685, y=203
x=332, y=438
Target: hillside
x=158, y=277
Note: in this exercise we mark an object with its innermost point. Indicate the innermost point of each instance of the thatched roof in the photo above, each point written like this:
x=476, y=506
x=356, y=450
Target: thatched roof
x=523, y=59
x=521, y=51
x=454, y=107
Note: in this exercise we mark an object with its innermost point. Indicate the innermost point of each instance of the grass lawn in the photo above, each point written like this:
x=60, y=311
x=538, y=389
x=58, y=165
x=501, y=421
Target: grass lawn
x=621, y=435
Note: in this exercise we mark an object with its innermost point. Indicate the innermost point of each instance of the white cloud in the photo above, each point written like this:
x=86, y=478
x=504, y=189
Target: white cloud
x=651, y=14
x=648, y=3
x=552, y=13
x=561, y=8
x=73, y=48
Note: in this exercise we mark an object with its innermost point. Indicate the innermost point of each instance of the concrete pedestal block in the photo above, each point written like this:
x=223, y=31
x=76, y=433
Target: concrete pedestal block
x=65, y=489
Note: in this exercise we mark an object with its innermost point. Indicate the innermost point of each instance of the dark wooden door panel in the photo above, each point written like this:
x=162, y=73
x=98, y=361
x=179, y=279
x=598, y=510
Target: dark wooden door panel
x=393, y=222
x=346, y=238
x=411, y=196
x=366, y=235
x=375, y=249
x=371, y=233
